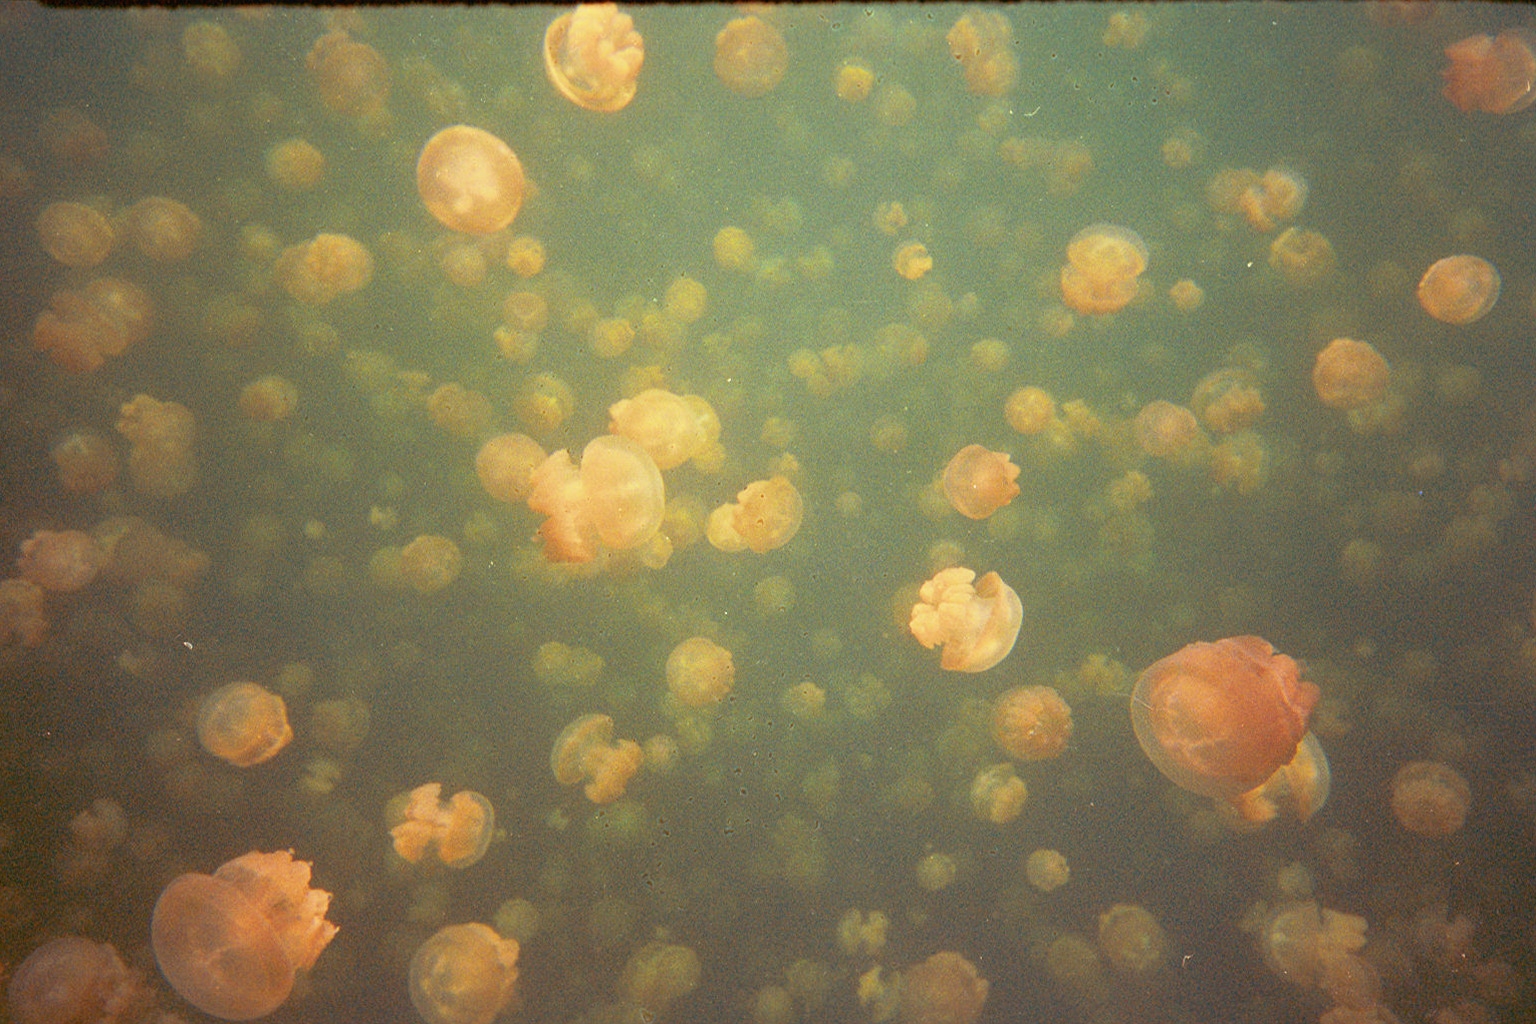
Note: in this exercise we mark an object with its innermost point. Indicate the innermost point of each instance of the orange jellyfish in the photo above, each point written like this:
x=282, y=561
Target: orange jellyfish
x=1308, y=944
x=944, y=989
x=767, y=514
x=243, y=723
x=62, y=561
x=1219, y=719
x=76, y=235
x=230, y=943
x=977, y=625
x=1301, y=787
x=430, y=562
x=470, y=180
x=163, y=229
x=464, y=974
x=1430, y=798
x=585, y=750
x=593, y=56
x=324, y=268
x=982, y=43
x=505, y=466
x=1227, y=400
x=998, y=794
x=269, y=399
x=669, y=427
x=1031, y=723
x=1459, y=289
x=1349, y=374
x=1103, y=264
x=22, y=619
x=161, y=463
x=616, y=499
x=750, y=56
x=700, y=672
x=1131, y=939
x=978, y=482
x=1494, y=75
x=1302, y=256
x=458, y=830
x=81, y=329
x=71, y=979
x=1164, y=429
x=86, y=462
x=352, y=77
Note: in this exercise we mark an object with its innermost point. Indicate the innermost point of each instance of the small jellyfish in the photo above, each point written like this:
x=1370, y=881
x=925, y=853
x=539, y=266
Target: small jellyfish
x=1164, y=429
x=1349, y=374
x=1031, y=723
x=161, y=462
x=1103, y=264
x=1496, y=75
x=324, y=268
x=505, y=466
x=295, y=164
x=75, y=234
x=1303, y=942
x=63, y=561
x=1030, y=410
x=1430, y=798
x=977, y=625
x=430, y=562
x=659, y=974
x=458, y=830
x=1302, y=256
x=593, y=56
x=669, y=427
x=585, y=750
x=269, y=399
x=230, y=943
x=983, y=45
x=946, y=988
x=767, y=514
x=464, y=974
x=352, y=77
x=978, y=482
x=86, y=462
x=72, y=980
x=163, y=229
x=615, y=499
x=81, y=329
x=470, y=180
x=1227, y=400
x=243, y=723
x=998, y=794
x=700, y=673
x=1131, y=939
x=1459, y=289
x=750, y=56
x=1047, y=870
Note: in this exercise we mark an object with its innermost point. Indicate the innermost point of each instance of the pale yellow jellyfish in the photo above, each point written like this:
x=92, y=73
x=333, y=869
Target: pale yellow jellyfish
x=977, y=625
x=458, y=830
x=593, y=56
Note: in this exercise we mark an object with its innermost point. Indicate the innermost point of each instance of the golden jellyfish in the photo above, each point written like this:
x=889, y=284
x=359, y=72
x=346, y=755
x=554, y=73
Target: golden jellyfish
x=464, y=974
x=998, y=794
x=163, y=229
x=1031, y=723
x=72, y=980
x=458, y=830
x=324, y=268
x=243, y=723
x=75, y=234
x=615, y=499
x=1219, y=719
x=269, y=399
x=1496, y=75
x=585, y=750
x=1164, y=429
x=1227, y=400
x=700, y=672
x=978, y=482
x=1349, y=374
x=22, y=619
x=230, y=943
x=1305, y=943
x=1430, y=798
x=505, y=466
x=1459, y=289
x=912, y=261
x=62, y=561
x=946, y=988
x=669, y=427
x=1302, y=256
x=86, y=462
x=430, y=562
x=766, y=515
x=659, y=974
x=977, y=625
x=1030, y=410
x=80, y=329
x=1301, y=786
x=1047, y=870
x=469, y=180
x=210, y=51
x=1131, y=939
x=295, y=164
x=593, y=56
x=160, y=463
x=982, y=43
x=352, y=77
x=1103, y=264
x=750, y=56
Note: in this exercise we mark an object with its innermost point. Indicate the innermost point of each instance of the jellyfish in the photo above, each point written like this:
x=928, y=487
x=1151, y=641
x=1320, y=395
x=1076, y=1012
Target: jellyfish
x=616, y=499
x=1031, y=723
x=85, y=461
x=430, y=562
x=1047, y=870
x=505, y=466
x=269, y=399
x=1030, y=410
x=982, y=43
x=1219, y=719
x=700, y=672
x=977, y=625
x=1430, y=798
x=978, y=482
x=63, y=561
x=593, y=56
x=295, y=164
x=766, y=515
x=324, y=268
x=998, y=794
x=352, y=77
x=585, y=750
x=1227, y=400
x=946, y=988
x=243, y=723
x=81, y=329
x=1103, y=264
x=1305, y=943
x=464, y=974
x=1302, y=256
x=1349, y=374
x=1459, y=289
x=750, y=56
x=659, y=974
x=469, y=180
x=75, y=234
x=458, y=830
x=912, y=261
x=230, y=943
x=22, y=619
x=1494, y=75
x=72, y=979
x=163, y=229
x=669, y=427
x=1300, y=787
x=1131, y=939
x=1164, y=429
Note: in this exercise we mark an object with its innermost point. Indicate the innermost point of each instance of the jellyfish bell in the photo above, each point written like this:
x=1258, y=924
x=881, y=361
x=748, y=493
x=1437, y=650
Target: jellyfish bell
x=616, y=499
x=767, y=514
x=977, y=623
x=666, y=425
x=1350, y=374
x=1495, y=75
x=946, y=988
x=750, y=56
x=1031, y=723
x=470, y=180
x=70, y=979
x=593, y=56
x=1459, y=289
x=243, y=723
x=1300, y=788
x=584, y=751
x=1430, y=798
x=464, y=974
x=700, y=672
x=458, y=830
x=978, y=482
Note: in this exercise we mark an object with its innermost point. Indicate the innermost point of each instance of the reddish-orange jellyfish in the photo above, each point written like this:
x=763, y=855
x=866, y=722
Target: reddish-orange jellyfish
x=243, y=723
x=593, y=56
x=1349, y=374
x=1459, y=289
x=977, y=625
x=616, y=499
x=458, y=830
x=750, y=56
x=230, y=942
x=1219, y=719
x=464, y=974
x=325, y=267
x=1430, y=798
x=470, y=180
x=1494, y=75
x=978, y=482
x=1031, y=723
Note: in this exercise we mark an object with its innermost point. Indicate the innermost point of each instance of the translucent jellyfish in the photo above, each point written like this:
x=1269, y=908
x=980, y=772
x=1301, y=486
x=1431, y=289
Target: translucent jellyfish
x=470, y=180
x=671, y=428
x=616, y=499
x=87, y=464
x=62, y=561
x=505, y=466
x=295, y=164
x=464, y=974
x=324, y=268
x=1304, y=943
x=1131, y=939
x=161, y=462
x=998, y=794
x=978, y=482
x=700, y=672
x=230, y=943
x=1030, y=410
x=1459, y=289
x=944, y=989
x=1164, y=429
x=912, y=261
x=766, y=515
x=210, y=51
x=75, y=234
x=1227, y=400
x=1277, y=196
x=72, y=980
x=243, y=723
x=1300, y=787
x=269, y=399
x=750, y=56
x=1047, y=870
x=22, y=618
x=430, y=562
x=1302, y=256
x=1103, y=264
x=659, y=974
x=163, y=229
x=1494, y=75
x=352, y=77
x=1349, y=374
x=81, y=329
x=593, y=56
x=1219, y=719
x=976, y=624
x=982, y=42
x=1430, y=798
x=458, y=830
x=585, y=750
x=1031, y=723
